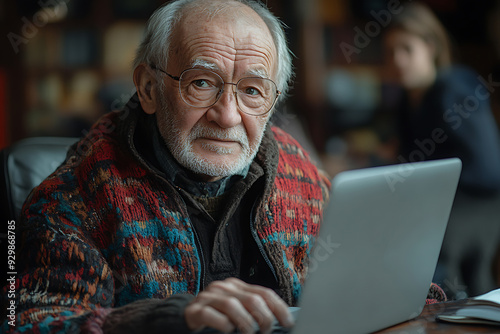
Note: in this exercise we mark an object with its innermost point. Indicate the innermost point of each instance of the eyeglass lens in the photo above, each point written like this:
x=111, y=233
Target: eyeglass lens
x=202, y=88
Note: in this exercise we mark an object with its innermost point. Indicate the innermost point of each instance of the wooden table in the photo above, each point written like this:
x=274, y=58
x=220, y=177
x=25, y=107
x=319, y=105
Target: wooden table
x=426, y=323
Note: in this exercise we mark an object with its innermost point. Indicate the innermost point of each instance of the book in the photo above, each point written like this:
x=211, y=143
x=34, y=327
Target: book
x=483, y=309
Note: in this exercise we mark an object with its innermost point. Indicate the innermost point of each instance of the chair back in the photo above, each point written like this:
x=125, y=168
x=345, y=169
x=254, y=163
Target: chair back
x=24, y=165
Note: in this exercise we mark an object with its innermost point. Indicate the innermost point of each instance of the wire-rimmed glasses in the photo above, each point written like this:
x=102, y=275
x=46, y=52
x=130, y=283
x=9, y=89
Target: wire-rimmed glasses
x=202, y=88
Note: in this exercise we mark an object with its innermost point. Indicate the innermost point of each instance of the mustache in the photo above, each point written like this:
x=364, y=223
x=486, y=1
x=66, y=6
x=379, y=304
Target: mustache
x=238, y=134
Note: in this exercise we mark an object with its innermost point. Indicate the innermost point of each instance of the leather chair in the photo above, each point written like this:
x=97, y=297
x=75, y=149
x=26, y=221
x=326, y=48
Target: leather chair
x=24, y=165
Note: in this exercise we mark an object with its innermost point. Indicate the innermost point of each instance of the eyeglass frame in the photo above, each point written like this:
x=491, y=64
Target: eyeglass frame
x=219, y=94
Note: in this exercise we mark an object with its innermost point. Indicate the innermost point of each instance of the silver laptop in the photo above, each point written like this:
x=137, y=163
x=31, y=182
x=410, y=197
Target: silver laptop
x=378, y=246
x=377, y=249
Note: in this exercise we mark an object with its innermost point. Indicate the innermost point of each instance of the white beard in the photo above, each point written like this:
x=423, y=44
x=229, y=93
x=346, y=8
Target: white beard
x=181, y=146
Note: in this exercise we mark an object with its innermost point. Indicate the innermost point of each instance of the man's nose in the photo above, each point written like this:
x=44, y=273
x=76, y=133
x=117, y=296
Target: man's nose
x=225, y=111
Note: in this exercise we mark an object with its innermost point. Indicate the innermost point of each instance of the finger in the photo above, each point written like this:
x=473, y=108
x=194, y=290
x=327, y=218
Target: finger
x=199, y=316
x=229, y=307
x=277, y=306
x=251, y=299
x=258, y=309
x=274, y=303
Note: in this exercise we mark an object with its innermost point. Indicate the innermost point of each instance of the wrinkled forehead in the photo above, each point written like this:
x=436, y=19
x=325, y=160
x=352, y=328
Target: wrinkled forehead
x=231, y=31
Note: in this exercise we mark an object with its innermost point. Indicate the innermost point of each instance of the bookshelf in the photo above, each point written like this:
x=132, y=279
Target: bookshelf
x=70, y=73
x=339, y=88
x=70, y=68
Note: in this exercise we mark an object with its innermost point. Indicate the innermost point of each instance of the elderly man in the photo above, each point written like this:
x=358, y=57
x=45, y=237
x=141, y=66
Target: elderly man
x=187, y=209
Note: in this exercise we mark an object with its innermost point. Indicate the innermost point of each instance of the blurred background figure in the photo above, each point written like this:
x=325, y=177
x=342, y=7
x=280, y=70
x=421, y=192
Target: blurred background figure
x=444, y=111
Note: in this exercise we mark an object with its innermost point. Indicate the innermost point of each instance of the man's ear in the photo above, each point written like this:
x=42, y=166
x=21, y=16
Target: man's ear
x=145, y=83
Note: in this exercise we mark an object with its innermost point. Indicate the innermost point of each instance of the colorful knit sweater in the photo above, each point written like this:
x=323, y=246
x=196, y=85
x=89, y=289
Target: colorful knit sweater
x=105, y=229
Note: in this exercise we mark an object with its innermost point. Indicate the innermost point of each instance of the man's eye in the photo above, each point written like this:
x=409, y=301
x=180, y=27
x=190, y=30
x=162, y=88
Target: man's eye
x=201, y=83
x=252, y=91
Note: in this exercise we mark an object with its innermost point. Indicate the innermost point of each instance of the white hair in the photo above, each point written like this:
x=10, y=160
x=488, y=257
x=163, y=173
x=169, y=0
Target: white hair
x=154, y=48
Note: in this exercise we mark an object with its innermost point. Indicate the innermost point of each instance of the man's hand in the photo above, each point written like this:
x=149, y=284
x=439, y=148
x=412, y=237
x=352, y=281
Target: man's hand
x=232, y=303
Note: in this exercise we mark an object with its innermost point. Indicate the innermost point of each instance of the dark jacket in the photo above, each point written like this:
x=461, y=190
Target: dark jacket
x=454, y=119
